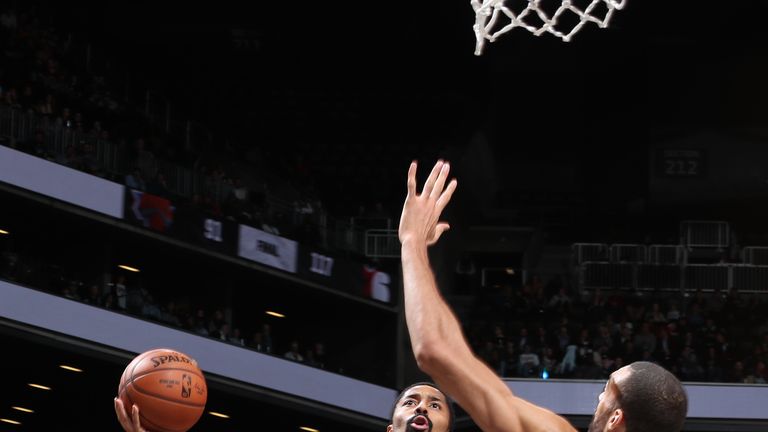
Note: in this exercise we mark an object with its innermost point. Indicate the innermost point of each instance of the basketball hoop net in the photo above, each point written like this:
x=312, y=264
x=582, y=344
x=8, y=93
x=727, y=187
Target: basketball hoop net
x=490, y=16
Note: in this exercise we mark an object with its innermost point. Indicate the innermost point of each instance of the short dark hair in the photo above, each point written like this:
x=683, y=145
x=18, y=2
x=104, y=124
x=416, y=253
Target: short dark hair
x=448, y=401
x=653, y=400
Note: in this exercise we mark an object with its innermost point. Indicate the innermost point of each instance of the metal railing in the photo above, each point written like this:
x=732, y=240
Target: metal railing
x=755, y=255
x=664, y=277
x=58, y=140
x=666, y=254
x=666, y=268
x=705, y=234
x=161, y=112
x=659, y=277
x=605, y=275
x=749, y=278
x=628, y=253
x=107, y=156
x=706, y=277
x=181, y=181
x=589, y=252
x=382, y=243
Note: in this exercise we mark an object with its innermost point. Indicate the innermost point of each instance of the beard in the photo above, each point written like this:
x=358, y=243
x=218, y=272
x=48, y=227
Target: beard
x=409, y=428
x=599, y=421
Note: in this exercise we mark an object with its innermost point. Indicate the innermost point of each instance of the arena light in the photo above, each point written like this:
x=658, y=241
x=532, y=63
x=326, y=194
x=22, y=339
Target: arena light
x=5, y=420
x=70, y=368
x=22, y=409
x=39, y=386
x=309, y=429
x=275, y=314
x=4, y=232
x=129, y=268
x=218, y=414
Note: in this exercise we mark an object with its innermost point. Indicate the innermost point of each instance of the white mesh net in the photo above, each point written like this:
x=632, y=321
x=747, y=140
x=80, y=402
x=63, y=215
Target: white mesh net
x=496, y=17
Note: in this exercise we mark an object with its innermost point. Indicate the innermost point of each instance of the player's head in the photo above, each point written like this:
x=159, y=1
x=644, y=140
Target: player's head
x=421, y=407
x=641, y=397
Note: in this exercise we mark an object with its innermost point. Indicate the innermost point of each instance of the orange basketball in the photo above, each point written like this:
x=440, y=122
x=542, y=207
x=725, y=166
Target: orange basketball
x=167, y=386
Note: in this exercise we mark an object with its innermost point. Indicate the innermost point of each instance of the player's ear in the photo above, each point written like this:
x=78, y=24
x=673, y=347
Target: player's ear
x=616, y=421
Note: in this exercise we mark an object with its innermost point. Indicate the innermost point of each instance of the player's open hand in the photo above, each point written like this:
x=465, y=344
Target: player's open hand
x=420, y=221
x=125, y=421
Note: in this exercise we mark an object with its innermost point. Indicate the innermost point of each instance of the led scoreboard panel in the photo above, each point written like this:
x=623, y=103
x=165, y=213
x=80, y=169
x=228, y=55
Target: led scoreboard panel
x=686, y=163
x=713, y=168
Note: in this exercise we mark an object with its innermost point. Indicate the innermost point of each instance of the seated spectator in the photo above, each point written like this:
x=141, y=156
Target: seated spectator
x=235, y=337
x=134, y=180
x=316, y=355
x=293, y=353
x=158, y=185
x=560, y=300
x=528, y=364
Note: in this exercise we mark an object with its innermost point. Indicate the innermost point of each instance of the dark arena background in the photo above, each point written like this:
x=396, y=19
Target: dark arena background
x=226, y=180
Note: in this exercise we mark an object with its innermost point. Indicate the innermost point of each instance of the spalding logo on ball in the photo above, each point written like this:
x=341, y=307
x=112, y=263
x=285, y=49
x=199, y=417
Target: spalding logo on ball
x=168, y=387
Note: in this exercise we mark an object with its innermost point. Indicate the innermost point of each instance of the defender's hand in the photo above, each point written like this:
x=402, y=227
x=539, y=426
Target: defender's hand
x=419, y=221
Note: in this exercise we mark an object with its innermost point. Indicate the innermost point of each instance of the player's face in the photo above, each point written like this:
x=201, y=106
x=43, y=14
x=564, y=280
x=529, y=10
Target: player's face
x=607, y=402
x=422, y=408
x=602, y=412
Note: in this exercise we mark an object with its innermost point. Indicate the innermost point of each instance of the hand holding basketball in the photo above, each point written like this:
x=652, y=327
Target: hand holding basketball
x=129, y=424
x=161, y=390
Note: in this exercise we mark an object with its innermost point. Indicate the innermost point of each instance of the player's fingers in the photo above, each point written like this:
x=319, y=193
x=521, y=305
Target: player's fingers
x=412, y=179
x=136, y=419
x=430, y=183
x=440, y=183
x=119, y=409
x=439, y=230
x=122, y=417
x=445, y=197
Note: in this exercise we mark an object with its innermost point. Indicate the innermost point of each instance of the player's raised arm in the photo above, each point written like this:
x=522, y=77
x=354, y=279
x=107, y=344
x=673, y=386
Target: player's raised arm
x=436, y=336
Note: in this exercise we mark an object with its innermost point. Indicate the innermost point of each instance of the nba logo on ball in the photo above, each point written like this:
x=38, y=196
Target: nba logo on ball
x=168, y=387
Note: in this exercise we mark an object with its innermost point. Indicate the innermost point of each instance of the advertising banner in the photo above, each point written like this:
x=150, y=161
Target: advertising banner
x=268, y=249
x=367, y=280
